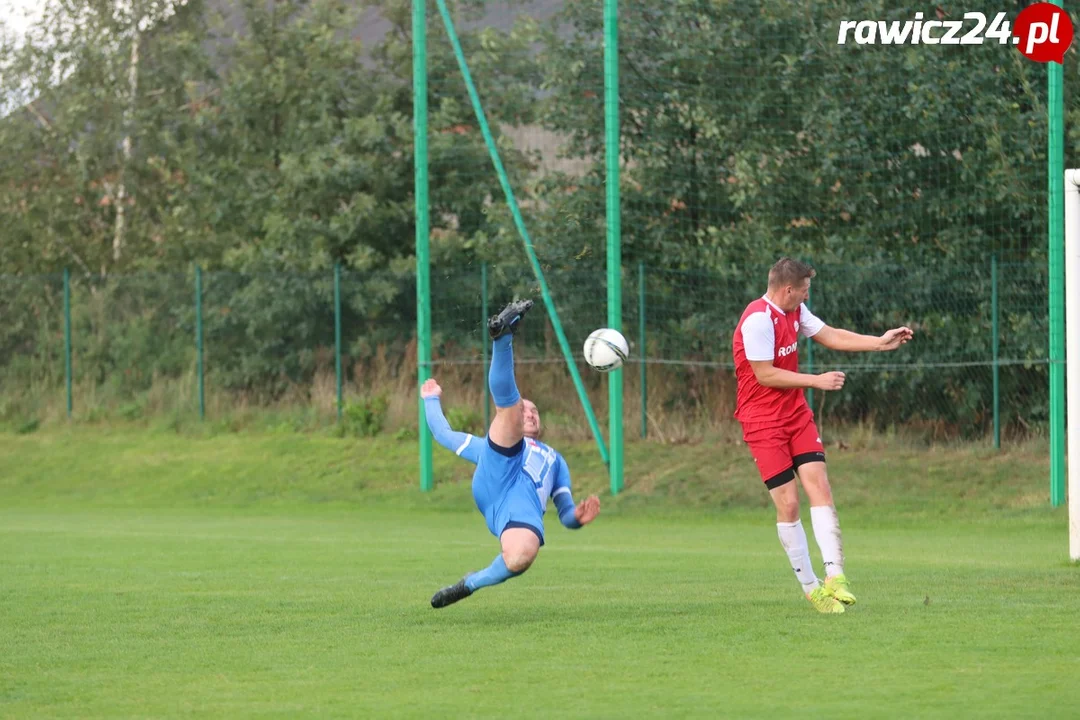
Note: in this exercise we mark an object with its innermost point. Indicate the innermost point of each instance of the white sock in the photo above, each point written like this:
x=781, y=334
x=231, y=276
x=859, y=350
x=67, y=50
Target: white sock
x=827, y=533
x=793, y=538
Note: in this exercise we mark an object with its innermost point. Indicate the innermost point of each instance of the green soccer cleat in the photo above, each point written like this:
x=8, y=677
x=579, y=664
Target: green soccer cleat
x=837, y=587
x=823, y=602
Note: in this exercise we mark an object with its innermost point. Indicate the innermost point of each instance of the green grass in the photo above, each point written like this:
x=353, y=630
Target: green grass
x=154, y=574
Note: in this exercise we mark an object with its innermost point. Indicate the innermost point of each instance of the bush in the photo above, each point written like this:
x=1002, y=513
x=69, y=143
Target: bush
x=466, y=420
x=367, y=416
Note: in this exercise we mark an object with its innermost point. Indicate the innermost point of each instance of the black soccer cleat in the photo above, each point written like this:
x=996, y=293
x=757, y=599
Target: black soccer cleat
x=509, y=319
x=450, y=595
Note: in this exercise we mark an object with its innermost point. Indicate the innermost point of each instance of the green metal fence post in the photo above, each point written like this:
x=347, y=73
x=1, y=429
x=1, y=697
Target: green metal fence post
x=337, y=334
x=995, y=330
x=199, y=341
x=423, y=265
x=1056, y=177
x=614, y=233
x=641, y=350
x=67, y=338
x=484, y=341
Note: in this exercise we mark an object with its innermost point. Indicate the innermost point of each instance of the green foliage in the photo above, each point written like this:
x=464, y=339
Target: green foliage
x=405, y=434
x=131, y=411
x=127, y=331
x=747, y=131
x=271, y=147
x=466, y=419
x=366, y=417
x=66, y=172
x=28, y=427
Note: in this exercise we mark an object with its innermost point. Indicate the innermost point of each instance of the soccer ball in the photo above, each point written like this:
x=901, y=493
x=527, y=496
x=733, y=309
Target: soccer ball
x=606, y=349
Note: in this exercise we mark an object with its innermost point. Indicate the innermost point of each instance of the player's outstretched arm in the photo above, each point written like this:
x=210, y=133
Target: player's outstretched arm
x=771, y=376
x=570, y=515
x=462, y=444
x=847, y=341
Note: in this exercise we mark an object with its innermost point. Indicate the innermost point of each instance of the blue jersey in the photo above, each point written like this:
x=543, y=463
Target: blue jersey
x=545, y=468
x=541, y=464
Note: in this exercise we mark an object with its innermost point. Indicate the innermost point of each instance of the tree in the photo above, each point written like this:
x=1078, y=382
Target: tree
x=310, y=156
x=748, y=132
x=84, y=147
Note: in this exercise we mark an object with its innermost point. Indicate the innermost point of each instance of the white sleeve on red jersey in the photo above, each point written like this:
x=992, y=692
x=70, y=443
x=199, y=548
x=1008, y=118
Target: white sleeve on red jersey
x=809, y=324
x=759, y=342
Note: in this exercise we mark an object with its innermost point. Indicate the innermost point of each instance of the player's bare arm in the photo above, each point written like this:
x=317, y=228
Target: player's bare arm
x=587, y=511
x=771, y=376
x=847, y=341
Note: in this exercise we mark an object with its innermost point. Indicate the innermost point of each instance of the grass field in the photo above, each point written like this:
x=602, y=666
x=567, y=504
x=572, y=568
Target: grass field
x=148, y=574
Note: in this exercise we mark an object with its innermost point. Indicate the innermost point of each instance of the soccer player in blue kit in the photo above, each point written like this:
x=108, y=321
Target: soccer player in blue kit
x=515, y=472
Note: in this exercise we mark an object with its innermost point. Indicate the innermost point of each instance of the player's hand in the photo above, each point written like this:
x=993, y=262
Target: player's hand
x=895, y=338
x=587, y=511
x=830, y=381
x=430, y=389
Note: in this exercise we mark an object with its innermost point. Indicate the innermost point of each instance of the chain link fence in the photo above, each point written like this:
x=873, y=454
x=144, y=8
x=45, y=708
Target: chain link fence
x=978, y=367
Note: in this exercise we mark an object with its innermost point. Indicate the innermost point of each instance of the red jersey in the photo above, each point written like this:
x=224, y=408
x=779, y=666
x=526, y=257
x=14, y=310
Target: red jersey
x=765, y=332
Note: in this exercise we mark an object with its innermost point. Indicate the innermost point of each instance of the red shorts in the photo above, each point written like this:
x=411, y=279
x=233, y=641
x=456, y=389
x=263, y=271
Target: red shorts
x=779, y=451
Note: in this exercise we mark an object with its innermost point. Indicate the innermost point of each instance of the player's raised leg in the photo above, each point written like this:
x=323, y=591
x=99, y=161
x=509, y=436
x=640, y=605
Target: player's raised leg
x=507, y=427
x=815, y=480
x=519, y=544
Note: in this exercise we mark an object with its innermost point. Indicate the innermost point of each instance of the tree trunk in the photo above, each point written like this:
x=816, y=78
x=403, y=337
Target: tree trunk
x=121, y=193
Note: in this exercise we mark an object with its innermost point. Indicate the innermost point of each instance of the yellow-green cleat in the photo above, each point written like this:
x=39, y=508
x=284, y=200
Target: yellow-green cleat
x=837, y=586
x=823, y=602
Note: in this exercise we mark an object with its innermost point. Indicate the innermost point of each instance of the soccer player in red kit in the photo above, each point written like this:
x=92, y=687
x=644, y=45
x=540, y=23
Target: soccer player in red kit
x=778, y=425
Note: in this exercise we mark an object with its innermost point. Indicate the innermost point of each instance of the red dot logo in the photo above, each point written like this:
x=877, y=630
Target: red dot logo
x=1043, y=32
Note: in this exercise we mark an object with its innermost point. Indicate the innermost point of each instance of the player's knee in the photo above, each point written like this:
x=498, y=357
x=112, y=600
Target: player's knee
x=518, y=560
x=817, y=487
x=787, y=509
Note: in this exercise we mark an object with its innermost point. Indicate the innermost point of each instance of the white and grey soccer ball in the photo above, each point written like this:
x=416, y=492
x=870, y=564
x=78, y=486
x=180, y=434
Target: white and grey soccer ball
x=606, y=350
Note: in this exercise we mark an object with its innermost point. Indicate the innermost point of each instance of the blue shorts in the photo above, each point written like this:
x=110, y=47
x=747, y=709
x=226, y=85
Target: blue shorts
x=504, y=494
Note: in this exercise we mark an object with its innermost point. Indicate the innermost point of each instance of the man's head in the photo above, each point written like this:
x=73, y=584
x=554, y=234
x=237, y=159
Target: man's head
x=789, y=283
x=531, y=418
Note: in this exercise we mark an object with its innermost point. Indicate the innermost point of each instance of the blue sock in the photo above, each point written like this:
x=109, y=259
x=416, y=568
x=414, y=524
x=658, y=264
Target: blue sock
x=501, y=374
x=493, y=574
